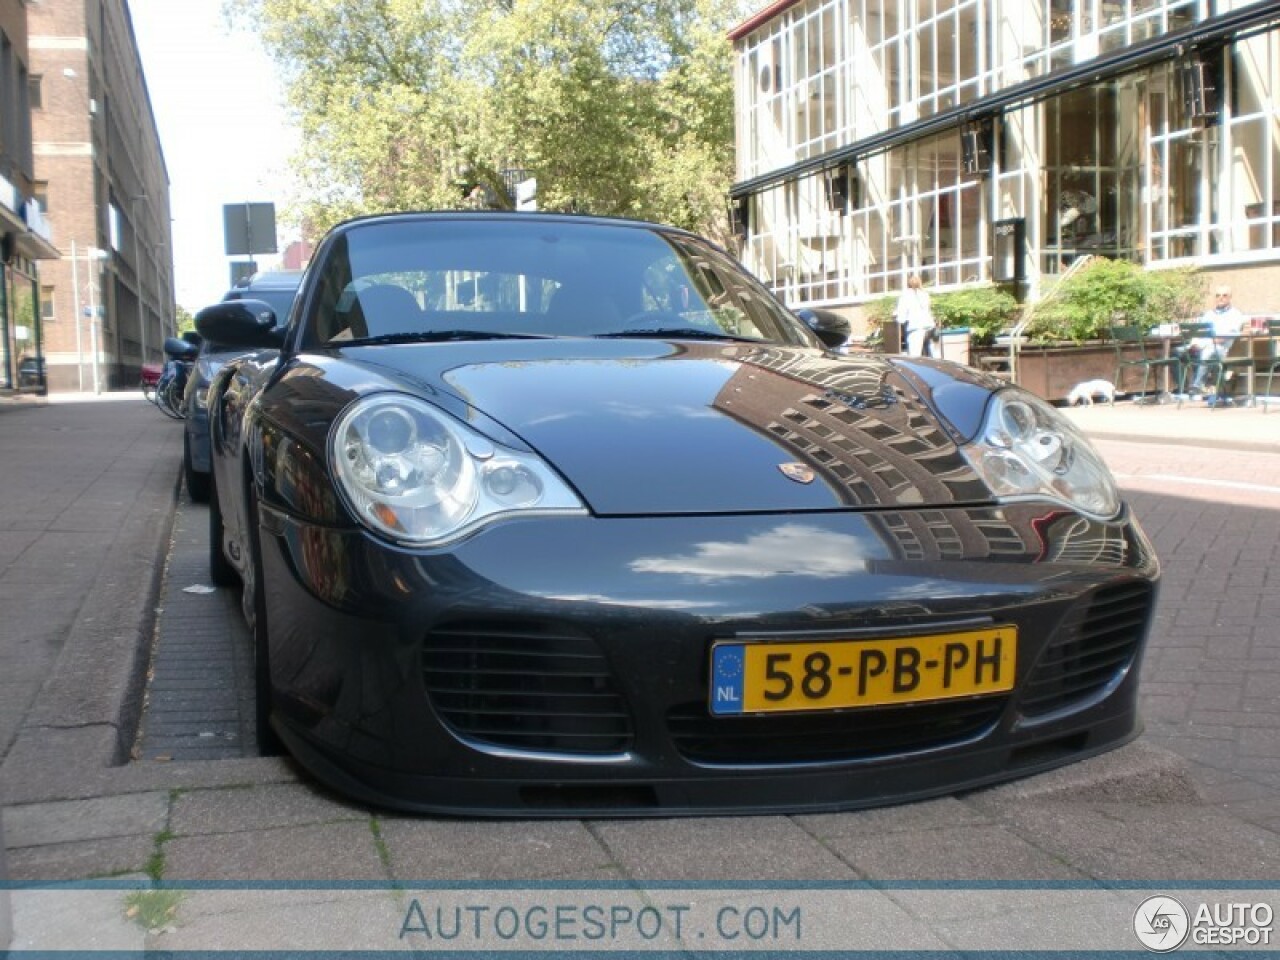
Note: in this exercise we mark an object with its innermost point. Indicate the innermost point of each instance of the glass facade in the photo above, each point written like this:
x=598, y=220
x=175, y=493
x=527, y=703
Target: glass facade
x=1176, y=160
x=21, y=363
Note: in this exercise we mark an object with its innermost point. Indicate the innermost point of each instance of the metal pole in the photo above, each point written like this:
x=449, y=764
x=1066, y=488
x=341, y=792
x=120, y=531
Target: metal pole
x=75, y=299
x=93, y=319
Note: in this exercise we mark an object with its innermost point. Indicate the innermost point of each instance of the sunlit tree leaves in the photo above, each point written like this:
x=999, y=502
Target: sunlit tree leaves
x=617, y=108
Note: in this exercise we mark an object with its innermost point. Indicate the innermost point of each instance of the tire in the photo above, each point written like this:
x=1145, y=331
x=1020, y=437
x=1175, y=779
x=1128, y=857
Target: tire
x=197, y=482
x=220, y=570
x=269, y=744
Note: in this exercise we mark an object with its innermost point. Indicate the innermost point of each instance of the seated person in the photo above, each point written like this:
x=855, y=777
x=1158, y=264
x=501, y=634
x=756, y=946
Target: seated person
x=1228, y=323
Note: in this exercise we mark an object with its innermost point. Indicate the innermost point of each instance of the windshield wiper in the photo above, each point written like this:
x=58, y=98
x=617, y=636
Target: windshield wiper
x=677, y=333
x=437, y=336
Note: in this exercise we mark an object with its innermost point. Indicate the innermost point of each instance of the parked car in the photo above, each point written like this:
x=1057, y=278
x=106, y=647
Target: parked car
x=277, y=289
x=31, y=373
x=541, y=514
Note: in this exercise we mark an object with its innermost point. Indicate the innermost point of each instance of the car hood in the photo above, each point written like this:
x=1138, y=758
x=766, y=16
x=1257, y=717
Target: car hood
x=650, y=428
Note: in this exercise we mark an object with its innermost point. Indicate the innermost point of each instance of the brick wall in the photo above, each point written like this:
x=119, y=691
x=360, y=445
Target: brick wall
x=96, y=145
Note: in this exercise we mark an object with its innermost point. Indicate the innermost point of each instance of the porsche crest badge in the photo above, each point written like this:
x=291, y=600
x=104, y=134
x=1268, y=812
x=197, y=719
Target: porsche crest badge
x=797, y=472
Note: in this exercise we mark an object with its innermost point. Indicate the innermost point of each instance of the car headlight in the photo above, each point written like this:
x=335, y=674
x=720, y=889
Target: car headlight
x=418, y=476
x=1026, y=450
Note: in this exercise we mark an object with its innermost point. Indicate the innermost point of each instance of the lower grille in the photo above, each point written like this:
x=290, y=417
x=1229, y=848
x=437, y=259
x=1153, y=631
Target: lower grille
x=817, y=737
x=1090, y=650
x=527, y=686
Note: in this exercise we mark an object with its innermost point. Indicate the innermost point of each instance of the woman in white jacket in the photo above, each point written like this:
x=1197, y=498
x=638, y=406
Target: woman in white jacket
x=916, y=316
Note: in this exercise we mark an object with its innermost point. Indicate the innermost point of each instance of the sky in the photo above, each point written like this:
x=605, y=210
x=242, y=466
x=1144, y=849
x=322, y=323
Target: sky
x=226, y=136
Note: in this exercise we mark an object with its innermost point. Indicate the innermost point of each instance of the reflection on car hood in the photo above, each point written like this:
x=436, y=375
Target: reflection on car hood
x=669, y=428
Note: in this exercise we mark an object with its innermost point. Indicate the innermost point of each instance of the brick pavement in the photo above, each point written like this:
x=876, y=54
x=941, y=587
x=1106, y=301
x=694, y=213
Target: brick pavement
x=1212, y=670
x=199, y=703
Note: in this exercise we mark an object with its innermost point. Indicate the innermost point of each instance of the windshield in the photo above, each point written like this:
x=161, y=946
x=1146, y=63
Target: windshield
x=488, y=277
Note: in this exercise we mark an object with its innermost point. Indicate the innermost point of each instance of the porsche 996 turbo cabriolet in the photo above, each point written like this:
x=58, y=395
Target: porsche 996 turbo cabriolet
x=549, y=515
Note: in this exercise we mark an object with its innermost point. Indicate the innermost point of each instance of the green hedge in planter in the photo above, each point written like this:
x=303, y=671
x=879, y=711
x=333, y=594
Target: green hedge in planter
x=1104, y=293
x=985, y=310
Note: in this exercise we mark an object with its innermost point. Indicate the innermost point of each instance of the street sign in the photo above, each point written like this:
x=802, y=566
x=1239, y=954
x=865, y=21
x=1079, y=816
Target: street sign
x=527, y=194
x=249, y=228
x=242, y=270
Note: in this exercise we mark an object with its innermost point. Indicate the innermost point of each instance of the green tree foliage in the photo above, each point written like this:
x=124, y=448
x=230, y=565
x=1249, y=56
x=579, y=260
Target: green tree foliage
x=183, y=320
x=621, y=107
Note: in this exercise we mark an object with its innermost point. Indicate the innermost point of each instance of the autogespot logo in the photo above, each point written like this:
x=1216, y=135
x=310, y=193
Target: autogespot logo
x=1161, y=923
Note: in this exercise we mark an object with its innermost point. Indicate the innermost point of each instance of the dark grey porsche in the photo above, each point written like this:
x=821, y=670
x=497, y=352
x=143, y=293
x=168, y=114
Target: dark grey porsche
x=552, y=515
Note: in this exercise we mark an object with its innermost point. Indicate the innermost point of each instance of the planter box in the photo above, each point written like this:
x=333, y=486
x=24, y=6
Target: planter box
x=1051, y=371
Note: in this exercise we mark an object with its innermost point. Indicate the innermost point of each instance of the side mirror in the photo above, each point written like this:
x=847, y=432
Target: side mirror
x=246, y=324
x=831, y=328
x=177, y=349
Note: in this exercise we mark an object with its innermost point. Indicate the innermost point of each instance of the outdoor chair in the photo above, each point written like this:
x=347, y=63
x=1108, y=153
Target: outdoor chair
x=1134, y=351
x=1273, y=361
x=1219, y=369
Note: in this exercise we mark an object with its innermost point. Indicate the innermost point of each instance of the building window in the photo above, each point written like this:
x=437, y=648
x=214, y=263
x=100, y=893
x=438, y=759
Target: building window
x=40, y=194
x=35, y=93
x=1253, y=203
x=46, y=304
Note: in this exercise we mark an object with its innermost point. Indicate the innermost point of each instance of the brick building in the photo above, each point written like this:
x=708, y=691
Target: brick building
x=100, y=171
x=24, y=234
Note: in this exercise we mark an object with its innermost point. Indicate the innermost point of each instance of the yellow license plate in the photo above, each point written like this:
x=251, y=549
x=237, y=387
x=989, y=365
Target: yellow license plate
x=772, y=676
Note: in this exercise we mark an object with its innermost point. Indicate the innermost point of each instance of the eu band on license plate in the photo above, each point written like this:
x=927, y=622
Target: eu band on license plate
x=797, y=675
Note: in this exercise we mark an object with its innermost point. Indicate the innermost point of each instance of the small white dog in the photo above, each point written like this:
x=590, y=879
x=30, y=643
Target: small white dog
x=1085, y=392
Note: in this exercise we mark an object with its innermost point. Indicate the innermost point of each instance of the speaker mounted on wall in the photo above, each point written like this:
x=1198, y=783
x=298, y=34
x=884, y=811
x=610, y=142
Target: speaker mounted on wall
x=1197, y=76
x=841, y=189
x=975, y=145
x=740, y=216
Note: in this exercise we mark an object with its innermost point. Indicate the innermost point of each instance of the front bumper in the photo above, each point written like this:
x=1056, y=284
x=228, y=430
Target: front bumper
x=394, y=679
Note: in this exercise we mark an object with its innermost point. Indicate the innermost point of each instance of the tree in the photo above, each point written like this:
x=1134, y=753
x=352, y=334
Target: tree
x=183, y=320
x=620, y=108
